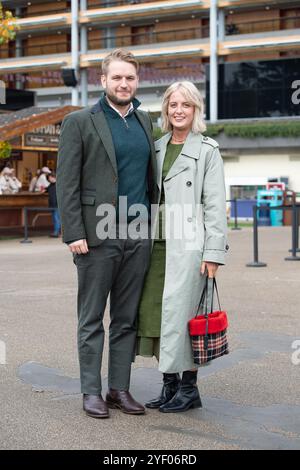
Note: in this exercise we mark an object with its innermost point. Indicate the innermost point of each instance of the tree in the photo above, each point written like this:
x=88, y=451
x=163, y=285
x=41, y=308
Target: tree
x=8, y=26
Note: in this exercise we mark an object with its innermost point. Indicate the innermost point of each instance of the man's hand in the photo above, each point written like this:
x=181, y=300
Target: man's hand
x=80, y=247
x=211, y=268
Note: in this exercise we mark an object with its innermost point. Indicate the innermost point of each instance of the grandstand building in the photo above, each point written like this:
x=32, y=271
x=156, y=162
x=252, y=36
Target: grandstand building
x=244, y=55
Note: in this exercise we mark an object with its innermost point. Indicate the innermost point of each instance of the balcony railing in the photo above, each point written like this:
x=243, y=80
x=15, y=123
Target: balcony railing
x=101, y=43
x=116, y=3
x=32, y=14
x=150, y=37
x=101, y=4
x=36, y=49
x=274, y=24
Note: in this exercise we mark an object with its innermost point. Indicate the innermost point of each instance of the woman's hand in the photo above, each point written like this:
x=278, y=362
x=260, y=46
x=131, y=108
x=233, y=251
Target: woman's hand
x=211, y=268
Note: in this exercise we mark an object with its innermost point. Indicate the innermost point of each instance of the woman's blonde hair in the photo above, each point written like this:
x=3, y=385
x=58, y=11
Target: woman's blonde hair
x=192, y=96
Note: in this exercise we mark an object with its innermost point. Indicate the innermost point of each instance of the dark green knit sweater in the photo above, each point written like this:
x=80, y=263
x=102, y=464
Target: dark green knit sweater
x=132, y=151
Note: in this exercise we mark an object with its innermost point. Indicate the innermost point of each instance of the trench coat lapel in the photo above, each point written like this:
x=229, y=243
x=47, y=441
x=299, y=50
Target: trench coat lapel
x=104, y=133
x=191, y=149
x=161, y=148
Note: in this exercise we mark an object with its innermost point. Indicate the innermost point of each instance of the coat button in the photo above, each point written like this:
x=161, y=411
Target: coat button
x=190, y=219
x=189, y=183
x=227, y=247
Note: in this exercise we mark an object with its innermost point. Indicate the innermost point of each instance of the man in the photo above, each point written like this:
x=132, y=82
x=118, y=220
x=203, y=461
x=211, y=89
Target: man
x=52, y=203
x=107, y=152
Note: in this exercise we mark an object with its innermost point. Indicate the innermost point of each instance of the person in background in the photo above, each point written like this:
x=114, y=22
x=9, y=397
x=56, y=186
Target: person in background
x=4, y=181
x=51, y=189
x=16, y=184
x=9, y=183
x=42, y=182
x=33, y=181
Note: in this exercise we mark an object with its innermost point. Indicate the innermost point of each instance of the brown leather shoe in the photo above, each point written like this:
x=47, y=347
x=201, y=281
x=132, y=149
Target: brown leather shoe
x=122, y=400
x=95, y=406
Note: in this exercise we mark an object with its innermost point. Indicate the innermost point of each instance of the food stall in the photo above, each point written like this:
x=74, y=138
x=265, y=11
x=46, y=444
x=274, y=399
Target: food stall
x=33, y=134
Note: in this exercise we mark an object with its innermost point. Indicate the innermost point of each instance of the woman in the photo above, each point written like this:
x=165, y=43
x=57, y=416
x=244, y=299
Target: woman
x=191, y=181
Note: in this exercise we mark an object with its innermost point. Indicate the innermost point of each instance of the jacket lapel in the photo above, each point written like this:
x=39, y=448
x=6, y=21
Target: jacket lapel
x=191, y=149
x=104, y=133
x=148, y=131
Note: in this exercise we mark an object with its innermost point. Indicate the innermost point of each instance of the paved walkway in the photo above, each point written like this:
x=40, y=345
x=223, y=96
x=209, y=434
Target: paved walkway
x=250, y=398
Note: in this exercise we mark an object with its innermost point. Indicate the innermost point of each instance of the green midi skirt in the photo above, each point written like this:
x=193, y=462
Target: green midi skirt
x=149, y=317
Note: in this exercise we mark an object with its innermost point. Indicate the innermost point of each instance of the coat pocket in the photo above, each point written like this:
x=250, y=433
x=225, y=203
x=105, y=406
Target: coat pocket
x=88, y=200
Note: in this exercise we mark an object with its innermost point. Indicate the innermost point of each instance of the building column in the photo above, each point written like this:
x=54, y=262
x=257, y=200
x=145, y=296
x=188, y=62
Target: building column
x=74, y=49
x=109, y=37
x=213, y=64
x=83, y=50
x=221, y=30
x=19, y=84
x=221, y=24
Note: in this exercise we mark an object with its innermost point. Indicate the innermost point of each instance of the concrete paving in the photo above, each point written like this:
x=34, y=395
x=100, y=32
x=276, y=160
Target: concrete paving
x=250, y=398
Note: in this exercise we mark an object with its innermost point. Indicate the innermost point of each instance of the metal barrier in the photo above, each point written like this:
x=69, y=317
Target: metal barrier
x=255, y=263
x=26, y=210
x=236, y=227
x=295, y=234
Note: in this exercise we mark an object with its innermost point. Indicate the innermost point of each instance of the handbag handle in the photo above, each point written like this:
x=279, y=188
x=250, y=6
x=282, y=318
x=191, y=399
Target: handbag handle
x=204, y=295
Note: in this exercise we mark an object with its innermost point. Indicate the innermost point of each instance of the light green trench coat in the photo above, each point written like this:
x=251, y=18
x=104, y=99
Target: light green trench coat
x=195, y=193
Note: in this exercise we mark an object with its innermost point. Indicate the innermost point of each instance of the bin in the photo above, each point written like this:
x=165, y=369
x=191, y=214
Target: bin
x=263, y=215
x=289, y=198
x=276, y=217
x=270, y=198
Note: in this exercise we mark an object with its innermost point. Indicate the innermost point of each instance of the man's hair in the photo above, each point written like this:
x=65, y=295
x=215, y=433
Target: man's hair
x=121, y=55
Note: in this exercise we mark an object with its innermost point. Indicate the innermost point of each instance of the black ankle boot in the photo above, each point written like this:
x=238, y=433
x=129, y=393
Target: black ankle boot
x=186, y=397
x=170, y=387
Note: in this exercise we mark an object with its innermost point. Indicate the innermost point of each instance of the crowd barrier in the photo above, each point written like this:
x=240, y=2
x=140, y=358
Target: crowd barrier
x=234, y=201
x=26, y=210
x=295, y=234
x=255, y=263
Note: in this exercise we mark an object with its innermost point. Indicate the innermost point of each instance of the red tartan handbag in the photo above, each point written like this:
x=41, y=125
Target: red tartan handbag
x=208, y=332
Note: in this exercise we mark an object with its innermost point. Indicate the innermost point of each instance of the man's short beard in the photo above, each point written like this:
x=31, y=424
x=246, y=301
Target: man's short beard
x=119, y=102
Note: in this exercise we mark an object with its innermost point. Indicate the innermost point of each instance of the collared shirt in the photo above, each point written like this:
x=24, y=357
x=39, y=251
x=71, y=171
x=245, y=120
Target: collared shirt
x=117, y=111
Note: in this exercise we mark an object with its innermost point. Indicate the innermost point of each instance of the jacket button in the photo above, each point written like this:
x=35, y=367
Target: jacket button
x=189, y=183
x=190, y=219
x=227, y=247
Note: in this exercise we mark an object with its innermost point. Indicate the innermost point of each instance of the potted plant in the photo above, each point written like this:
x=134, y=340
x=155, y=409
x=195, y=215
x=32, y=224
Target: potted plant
x=5, y=150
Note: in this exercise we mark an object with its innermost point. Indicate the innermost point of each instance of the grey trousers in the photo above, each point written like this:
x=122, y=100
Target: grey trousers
x=117, y=267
